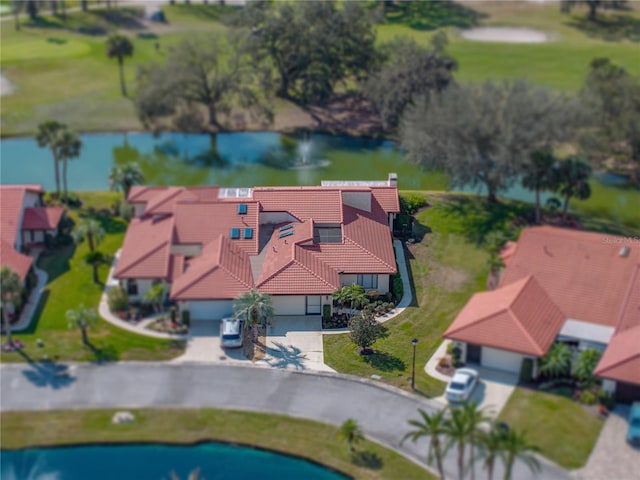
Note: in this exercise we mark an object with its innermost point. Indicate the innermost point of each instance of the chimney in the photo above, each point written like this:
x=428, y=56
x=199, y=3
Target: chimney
x=393, y=180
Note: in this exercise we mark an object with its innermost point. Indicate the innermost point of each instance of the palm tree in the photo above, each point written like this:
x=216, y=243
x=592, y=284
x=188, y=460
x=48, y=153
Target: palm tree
x=462, y=430
x=155, y=296
x=557, y=361
x=255, y=307
x=585, y=364
x=515, y=446
x=69, y=146
x=125, y=177
x=351, y=432
x=573, y=176
x=491, y=443
x=475, y=417
x=82, y=318
x=354, y=295
x=435, y=427
x=95, y=259
x=89, y=229
x=119, y=46
x=10, y=290
x=539, y=175
x=47, y=136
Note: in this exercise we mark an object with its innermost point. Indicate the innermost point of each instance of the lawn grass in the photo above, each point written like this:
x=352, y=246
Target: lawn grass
x=69, y=285
x=564, y=430
x=304, y=438
x=63, y=74
x=447, y=267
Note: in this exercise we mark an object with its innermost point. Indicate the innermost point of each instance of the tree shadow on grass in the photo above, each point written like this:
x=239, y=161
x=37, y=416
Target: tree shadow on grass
x=432, y=15
x=384, y=362
x=611, y=28
x=366, y=459
x=207, y=12
x=105, y=354
x=37, y=314
x=55, y=261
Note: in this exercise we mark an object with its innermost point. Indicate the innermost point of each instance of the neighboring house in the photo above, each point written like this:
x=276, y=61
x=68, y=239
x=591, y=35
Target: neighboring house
x=571, y=286
x=208, y=245
x=24, y=223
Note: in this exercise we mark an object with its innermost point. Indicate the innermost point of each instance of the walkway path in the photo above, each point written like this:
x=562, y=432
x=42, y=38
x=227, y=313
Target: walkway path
x=326, y=397
x=32, y=303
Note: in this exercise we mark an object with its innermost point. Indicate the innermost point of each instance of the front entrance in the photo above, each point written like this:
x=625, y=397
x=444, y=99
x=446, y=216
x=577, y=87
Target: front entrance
x=313, y=305
x=474, y=353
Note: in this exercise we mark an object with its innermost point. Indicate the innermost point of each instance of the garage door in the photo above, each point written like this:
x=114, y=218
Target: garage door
x=501, y=360
x=288, y=304
x=210, y=309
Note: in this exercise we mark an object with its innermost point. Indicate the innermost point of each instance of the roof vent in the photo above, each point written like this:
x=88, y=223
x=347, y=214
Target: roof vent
x=624, y=252
x=242, y=209
x=235, y=233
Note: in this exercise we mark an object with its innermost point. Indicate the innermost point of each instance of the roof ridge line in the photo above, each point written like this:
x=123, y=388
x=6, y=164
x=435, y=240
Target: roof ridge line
x=627, y=297
x=616, y=364
x=145, y=256
x=206, y=271
x=369, y=252
x=311, y=271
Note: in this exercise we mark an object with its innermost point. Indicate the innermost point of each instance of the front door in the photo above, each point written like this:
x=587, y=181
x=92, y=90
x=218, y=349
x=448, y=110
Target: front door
x=314, y=306
x=474, y=353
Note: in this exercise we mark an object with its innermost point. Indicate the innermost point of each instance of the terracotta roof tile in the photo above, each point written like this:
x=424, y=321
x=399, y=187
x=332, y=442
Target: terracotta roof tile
x=519, y=317
x=42, y=218
x=388, y=198
x=323, y=205
x=146, y=249
x=621, y=359
x=222, y=271
x=18, y=262
x=11, y=200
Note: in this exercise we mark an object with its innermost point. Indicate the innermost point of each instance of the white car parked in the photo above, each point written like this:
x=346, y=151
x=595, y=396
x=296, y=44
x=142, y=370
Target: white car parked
x=461, y=385
x=231, y=332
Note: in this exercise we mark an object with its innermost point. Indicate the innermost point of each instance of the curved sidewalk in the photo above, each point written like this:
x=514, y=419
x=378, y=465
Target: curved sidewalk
x=27, y=312
x=382, y=411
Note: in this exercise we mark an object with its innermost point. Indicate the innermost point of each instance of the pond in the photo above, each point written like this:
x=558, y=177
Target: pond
x=215, y=461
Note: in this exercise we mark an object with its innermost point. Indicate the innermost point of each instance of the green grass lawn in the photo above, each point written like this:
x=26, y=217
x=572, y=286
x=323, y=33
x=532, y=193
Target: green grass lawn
x=70, y=284
x=304, y=438
x=563, y=430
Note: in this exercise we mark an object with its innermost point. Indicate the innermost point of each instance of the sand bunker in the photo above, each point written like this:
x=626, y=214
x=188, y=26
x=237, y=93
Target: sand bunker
x=505, y=34
x=6, y=87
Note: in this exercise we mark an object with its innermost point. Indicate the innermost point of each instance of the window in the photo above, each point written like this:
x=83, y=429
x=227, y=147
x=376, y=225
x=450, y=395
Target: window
x=242, y=209
x=248, y=233
x=132, y=286
x=368, y=281
x=313, y=305
x=327, y=233
x=235, y=233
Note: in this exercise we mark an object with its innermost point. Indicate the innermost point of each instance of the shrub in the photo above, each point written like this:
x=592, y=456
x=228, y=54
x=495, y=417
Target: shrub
x=443, y=362
x=398, y=288
x=125, y=211
x=456, y=353
x=605, y=398
x=450, y=348
x=326, y=311
x=526, y=370
x=118, y=299
x=410, y=203
x=365, y=330
x=588, y=397
x=186, y=317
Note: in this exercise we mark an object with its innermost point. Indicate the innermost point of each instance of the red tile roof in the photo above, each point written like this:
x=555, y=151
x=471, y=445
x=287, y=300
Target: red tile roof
x=146, y=249
x=582, y=272
x=222, y=271
x=323, y=205
x=42, y=218
x=388, y=198
x=201, y=223
x=16, y=261
x=11, y=200
x=621, y=359
x=519, y=317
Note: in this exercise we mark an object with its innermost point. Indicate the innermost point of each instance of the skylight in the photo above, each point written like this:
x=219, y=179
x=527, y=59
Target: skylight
x=242, y=209
x=286, y=227
x=235, y=233
x=248, y=233
x=286, y=234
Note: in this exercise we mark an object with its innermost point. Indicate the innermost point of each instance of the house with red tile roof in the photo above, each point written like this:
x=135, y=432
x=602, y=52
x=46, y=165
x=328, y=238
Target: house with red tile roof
x=209, y=245
x=24, y=222
x=577, y=287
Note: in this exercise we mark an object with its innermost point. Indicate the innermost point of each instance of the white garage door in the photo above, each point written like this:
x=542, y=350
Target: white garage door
x=288, y=304
x=501, y=359
x=210, y=309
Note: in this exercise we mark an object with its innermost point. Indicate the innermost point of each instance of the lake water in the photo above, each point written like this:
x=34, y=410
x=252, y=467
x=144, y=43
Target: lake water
x=140, y=462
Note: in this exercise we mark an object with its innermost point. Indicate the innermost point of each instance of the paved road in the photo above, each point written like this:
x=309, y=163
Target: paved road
x=381, y=411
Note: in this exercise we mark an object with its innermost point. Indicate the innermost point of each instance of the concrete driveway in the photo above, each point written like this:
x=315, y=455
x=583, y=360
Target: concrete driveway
x=295, y=342
x=204, y=345
x=612, y=457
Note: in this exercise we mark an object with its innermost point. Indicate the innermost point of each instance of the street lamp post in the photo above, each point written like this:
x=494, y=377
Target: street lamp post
x=414, y=342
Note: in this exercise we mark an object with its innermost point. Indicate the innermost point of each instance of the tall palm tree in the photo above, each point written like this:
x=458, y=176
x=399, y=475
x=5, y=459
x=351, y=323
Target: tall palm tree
x=119, y=46
x=433, y=426
x=47, y=136
x=69, y=146
x=91, y=230
x=10, y=290
x=255, y=307
x=82, y=318
x=573, y=181
x=125, y=177
x=476, y=417
x=539, y=175
x=462, y=430
x=490, y=444
x=515, y=446
x=351, y=432
x=96, y=259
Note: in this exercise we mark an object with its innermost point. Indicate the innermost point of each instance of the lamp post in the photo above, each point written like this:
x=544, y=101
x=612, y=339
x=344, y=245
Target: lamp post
x=414, y=342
